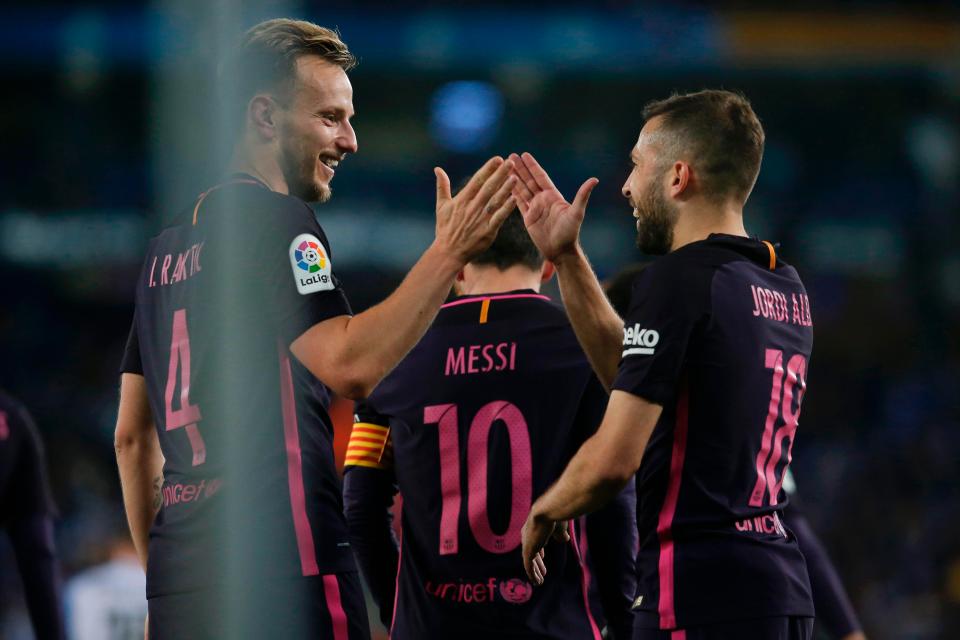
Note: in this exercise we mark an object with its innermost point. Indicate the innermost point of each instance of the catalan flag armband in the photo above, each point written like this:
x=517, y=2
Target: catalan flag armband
x=370, y=446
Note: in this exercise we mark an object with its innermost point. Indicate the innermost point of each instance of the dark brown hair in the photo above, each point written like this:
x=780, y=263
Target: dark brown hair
x=720, y=134
x=266, y=59
x=512, y=246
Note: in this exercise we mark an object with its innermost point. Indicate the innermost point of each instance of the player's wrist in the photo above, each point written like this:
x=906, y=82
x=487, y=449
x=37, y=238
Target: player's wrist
x=569, y=256
x=444, y=259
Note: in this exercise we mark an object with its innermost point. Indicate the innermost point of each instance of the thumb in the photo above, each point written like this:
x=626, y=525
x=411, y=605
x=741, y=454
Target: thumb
x=583, y=194
x=443, y=185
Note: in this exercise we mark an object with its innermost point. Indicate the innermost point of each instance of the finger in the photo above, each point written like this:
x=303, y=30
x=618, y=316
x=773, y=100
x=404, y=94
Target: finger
x=528, y=567
x=502, y=194
x=481, y=176
x=520, y=168
x=522, y=203
x=443, y=185
x=540, y=568
x=583, y=194
x=493, y=184
x=500, y=215
x=539, y=175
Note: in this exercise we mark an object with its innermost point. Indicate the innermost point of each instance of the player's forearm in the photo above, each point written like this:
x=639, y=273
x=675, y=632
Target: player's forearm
x=367, y=498
x=377, y=339
x=598, y=327
x=141, y=479
x=35, y=551
x=584, y=486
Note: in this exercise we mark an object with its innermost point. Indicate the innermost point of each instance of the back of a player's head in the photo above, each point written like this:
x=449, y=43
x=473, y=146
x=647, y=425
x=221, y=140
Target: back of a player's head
x=513, y=246
x=265, y=61
x=719, y=133
x=619, y=288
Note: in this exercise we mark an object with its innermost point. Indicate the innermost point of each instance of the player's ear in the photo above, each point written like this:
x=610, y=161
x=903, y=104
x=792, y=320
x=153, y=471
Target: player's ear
x=547, y=271
x=261, y=115
x=679, y=178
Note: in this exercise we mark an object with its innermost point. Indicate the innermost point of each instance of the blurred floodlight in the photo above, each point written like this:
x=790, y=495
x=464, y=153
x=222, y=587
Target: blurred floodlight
x=465, y=115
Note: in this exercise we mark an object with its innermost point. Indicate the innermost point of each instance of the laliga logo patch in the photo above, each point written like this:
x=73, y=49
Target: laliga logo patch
x=311, y=266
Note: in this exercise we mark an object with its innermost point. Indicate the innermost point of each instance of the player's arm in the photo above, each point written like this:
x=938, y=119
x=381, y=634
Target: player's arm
x=833, y=607
x=369, y=487
x=597, y=473
x=30, y=527
x=33, y=545
x=612, y=539
x=351, y=354
x=139, y=460
x=554, y=224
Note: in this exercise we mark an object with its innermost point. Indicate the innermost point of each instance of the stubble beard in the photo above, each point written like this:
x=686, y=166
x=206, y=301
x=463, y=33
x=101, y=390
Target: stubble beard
x=657, y=218
x=300, y=170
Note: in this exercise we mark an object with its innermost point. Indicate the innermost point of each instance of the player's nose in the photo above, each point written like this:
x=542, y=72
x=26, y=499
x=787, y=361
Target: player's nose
x=347, y=141
x=625, y=189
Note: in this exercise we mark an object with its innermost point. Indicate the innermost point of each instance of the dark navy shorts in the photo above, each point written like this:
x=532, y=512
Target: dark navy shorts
x=327, y=607
x=774, y=628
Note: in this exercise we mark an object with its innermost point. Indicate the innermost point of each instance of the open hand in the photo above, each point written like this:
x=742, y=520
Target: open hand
x=553, y=223
x=468, y=223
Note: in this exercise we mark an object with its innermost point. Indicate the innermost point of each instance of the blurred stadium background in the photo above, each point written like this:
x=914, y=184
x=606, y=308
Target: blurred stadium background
x=106, y=119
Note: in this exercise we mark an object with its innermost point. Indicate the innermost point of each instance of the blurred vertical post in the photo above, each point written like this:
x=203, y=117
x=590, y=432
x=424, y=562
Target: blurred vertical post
x=193, y=140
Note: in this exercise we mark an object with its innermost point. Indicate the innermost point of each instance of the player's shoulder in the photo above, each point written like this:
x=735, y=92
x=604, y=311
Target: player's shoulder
x=520, y=306
x=697, y=262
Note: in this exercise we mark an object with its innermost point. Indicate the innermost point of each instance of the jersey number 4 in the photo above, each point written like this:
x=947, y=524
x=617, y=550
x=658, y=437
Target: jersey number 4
x=445, y=417
x=188, y=415
x=773, y=442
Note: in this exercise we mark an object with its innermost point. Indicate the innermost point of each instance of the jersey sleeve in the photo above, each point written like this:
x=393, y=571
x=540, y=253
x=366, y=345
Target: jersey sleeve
x=669, y=299
x=131, y=362
x=301, y=285
x=369, y=487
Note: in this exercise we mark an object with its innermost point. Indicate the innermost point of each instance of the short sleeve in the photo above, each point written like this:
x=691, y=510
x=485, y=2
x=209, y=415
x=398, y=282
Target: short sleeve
x=370, y=443
x=131, y=362
x=300, y=276
x=669, y=299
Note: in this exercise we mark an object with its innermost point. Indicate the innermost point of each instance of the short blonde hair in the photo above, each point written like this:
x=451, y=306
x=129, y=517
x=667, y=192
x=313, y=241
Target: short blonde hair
x=266, y=58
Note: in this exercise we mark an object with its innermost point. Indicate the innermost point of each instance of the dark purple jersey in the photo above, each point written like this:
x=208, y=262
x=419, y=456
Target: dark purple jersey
x=719, y=333
x=26, y=514
x=244, y=429
x=475, y=423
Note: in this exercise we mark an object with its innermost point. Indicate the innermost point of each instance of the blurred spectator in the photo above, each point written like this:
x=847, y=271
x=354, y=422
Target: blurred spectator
x=108, y=601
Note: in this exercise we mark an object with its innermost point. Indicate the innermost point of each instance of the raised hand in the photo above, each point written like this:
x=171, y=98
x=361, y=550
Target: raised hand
x=468, y=223
x=553, y=223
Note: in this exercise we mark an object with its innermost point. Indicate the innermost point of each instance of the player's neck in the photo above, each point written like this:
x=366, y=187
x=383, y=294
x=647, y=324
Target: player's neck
x=489, y=279
x=697, y=224
x=261, y=163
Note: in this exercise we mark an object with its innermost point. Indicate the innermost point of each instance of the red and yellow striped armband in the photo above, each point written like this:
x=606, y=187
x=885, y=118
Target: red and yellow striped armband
x=370, y=446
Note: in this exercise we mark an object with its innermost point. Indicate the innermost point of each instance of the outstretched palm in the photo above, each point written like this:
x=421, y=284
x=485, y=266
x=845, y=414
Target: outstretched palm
x=553, y=223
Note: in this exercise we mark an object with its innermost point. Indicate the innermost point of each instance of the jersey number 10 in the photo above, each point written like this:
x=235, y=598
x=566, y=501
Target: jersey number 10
x=445, y=417
x=188, y=415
